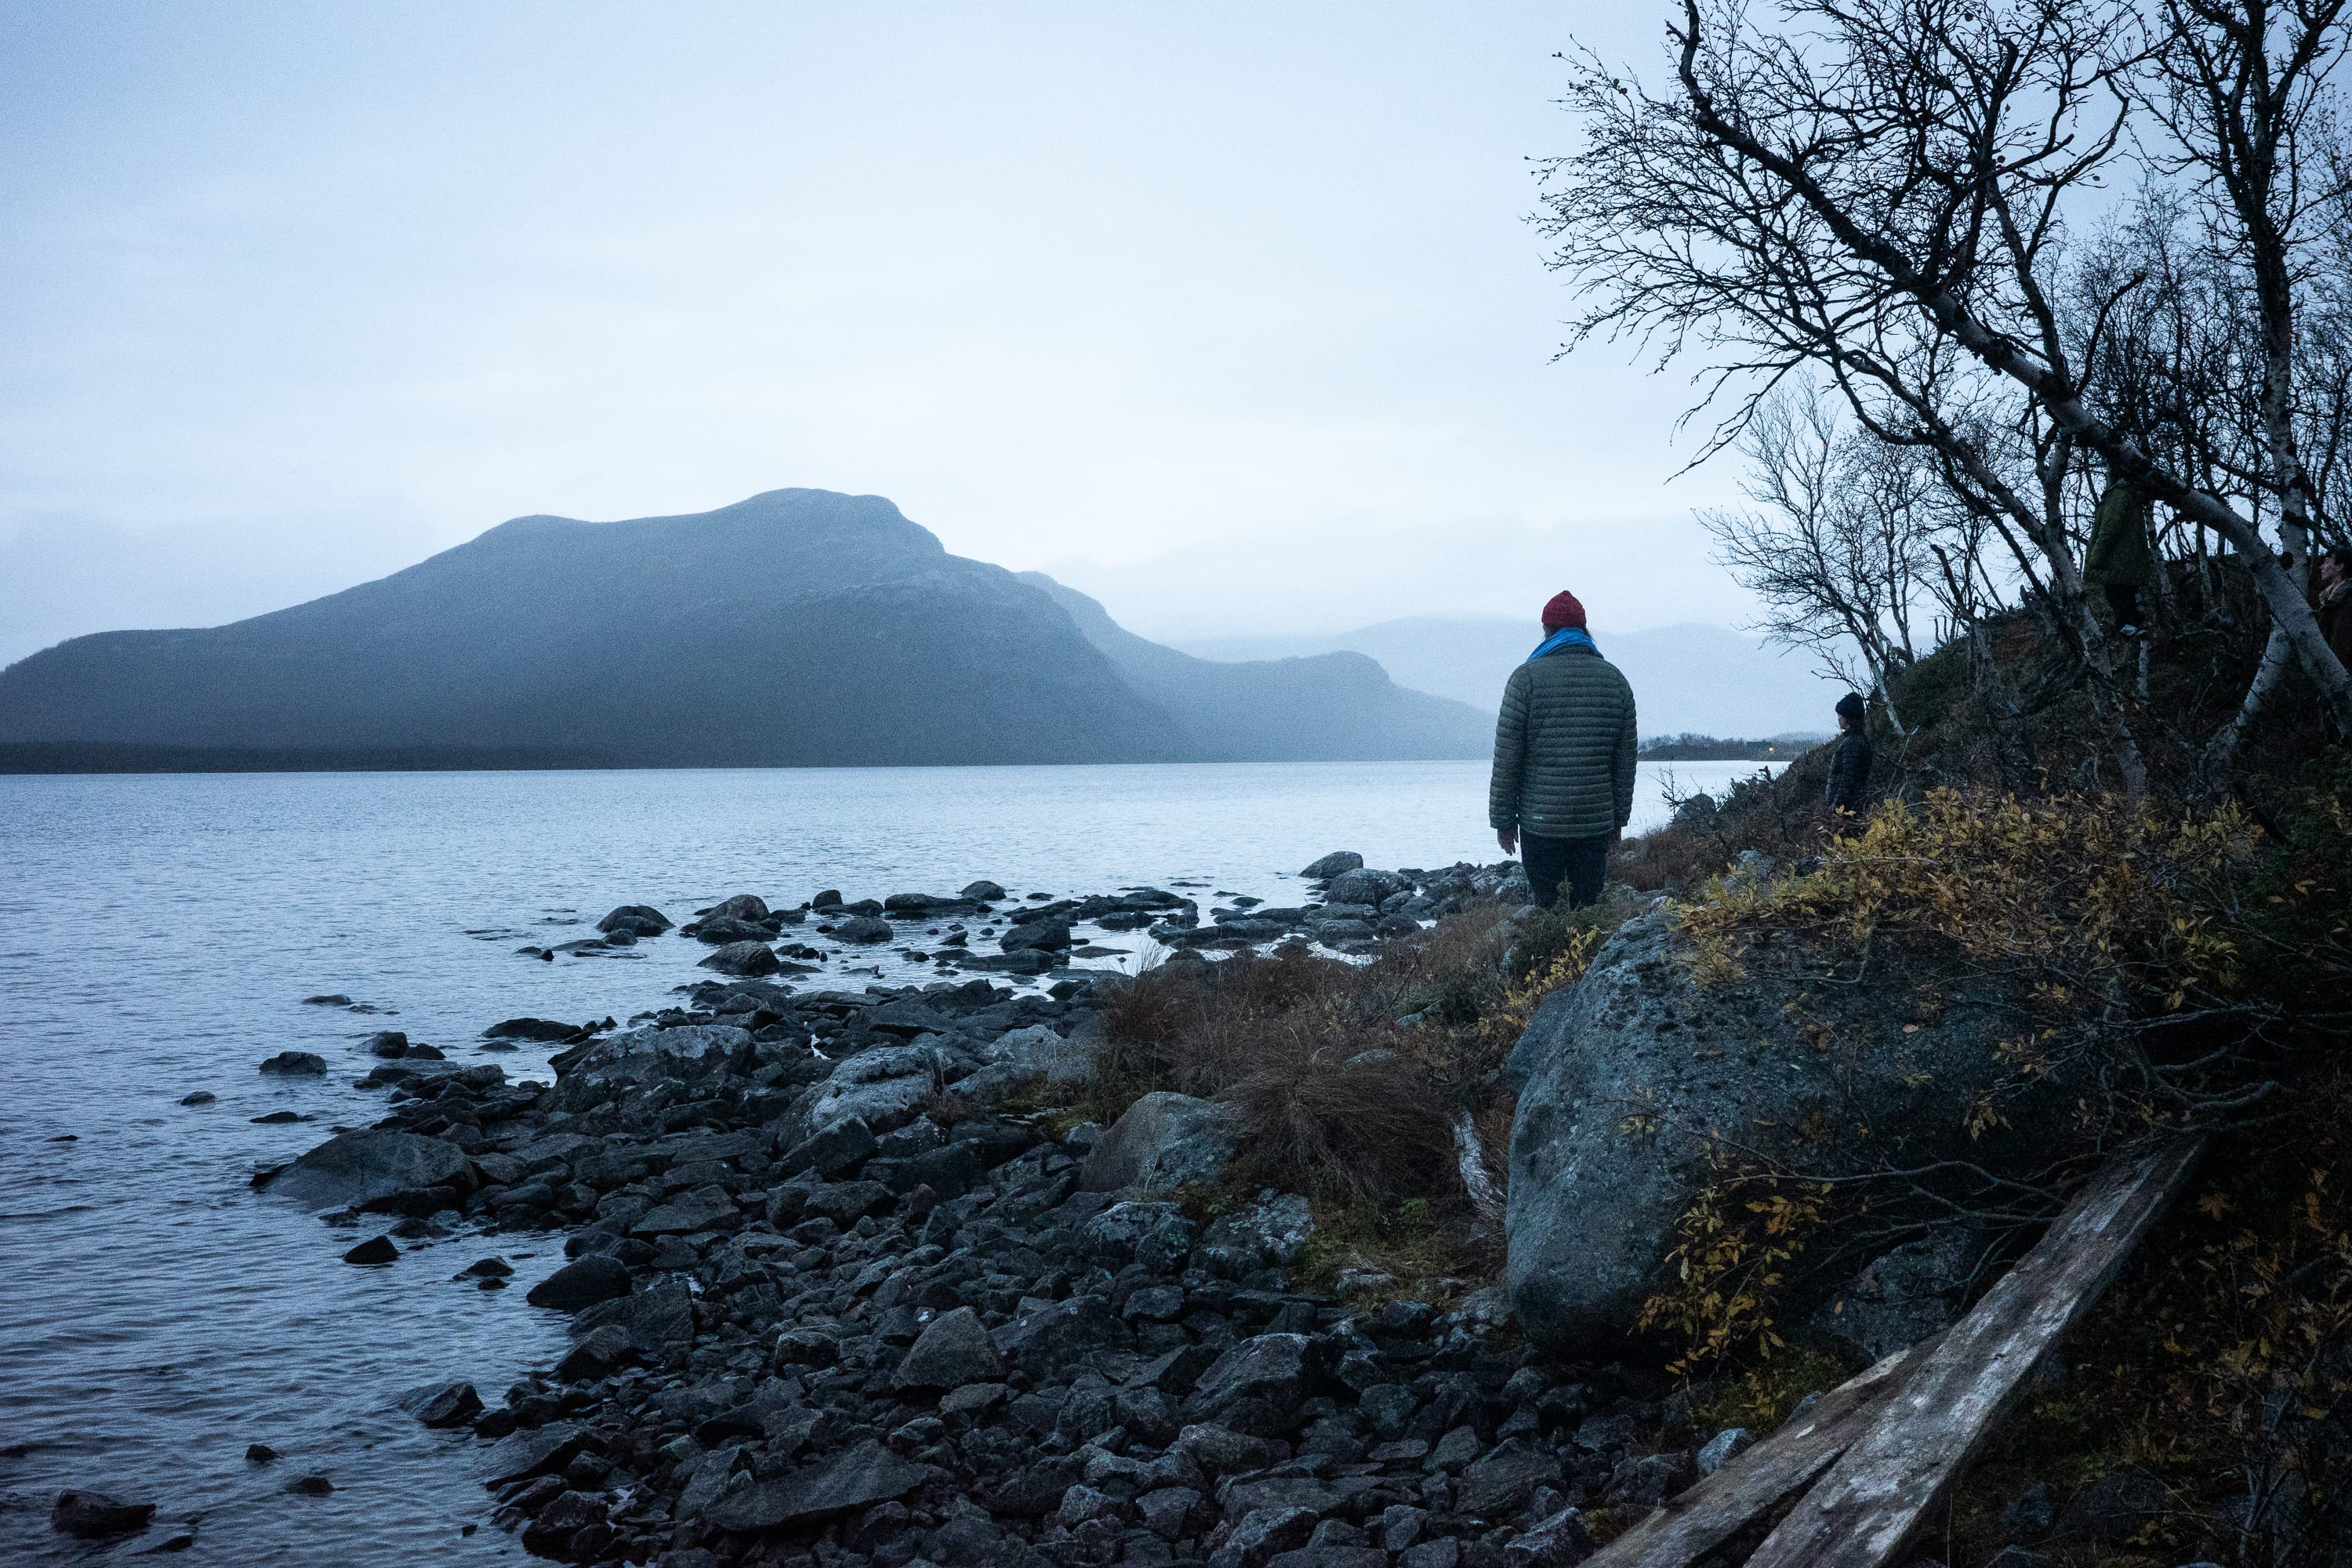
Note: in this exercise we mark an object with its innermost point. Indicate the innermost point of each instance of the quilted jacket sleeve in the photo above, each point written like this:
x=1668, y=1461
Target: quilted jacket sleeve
x=1510, y=754
x=1629, y=745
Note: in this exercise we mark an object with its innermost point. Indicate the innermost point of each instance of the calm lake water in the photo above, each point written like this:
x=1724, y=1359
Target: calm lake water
x=158, y=933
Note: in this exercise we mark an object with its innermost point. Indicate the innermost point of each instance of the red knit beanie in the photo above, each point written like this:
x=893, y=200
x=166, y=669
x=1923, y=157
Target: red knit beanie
x=1563, y=611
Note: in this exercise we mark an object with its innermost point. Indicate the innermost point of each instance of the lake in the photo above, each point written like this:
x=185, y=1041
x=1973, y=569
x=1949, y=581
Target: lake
x=161, y=932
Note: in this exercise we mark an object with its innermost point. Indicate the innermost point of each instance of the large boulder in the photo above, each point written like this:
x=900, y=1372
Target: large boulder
x=1362, y=886
x=746, y=958
x=1331, y=865
x=1637, y=1082
x=952, y=1350
x=1162, y=1141
x=645, y=1055
x=881, y=1087
x=859, y=1477
x=352, y=1169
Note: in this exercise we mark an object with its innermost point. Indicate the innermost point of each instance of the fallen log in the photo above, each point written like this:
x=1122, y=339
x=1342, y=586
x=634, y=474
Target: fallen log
x=1702, y=1517
x=1924, y=1435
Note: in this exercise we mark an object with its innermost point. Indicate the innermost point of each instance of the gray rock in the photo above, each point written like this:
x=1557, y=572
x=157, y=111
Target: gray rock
x=1163, y=1140
x=1259, y=1382
x=953, y=1350
x=375, y=1249
x=451, y=1404
x=1720, y=1449
x=637, y=919
x=1502, y=1482
x=296, y=1064
x=881, y=1087
x=747, y=958
x=596, y=1354
x=1362, y=886
x=983, y=893
x=1332, y=864
x=1556, y=1543
x=353, y=1169
x=862, y=929
x=686, y=1213
x=1047, y=1337
x=649, y=1055
x=1269, y=1234
x=1167, y=1511
x=1262, y=1533
x=1221, y=1450
x=1442, y=1552
x=841, y=1147
x=1039, y=1049
x=1900, y=1298
x=859, y=1477
x=2033, y=1513
x=660, y=1318
x=582, y=1282
x=741, y=906
x=1156, y=1235
x=93, y=1516
x=1591, y=1210
x=532, y=1452
x=1036, y=936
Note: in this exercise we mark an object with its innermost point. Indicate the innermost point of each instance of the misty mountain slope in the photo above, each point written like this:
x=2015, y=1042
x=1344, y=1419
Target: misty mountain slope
x=1328, y=707
x=1684, y=678
x=797, y=627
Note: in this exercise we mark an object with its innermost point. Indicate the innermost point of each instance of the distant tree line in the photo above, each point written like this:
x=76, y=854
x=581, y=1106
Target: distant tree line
x=1693, y=748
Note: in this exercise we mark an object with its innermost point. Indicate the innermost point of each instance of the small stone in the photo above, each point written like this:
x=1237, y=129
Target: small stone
x=580, y=1283
x=952, y=1350
x=1722, y=1448
x=94, y=1515
x=259, y=1453
x=454, y=1405
x=312, y=1486
x=375, y=1249
x=300, y=1063
x=201, y=1097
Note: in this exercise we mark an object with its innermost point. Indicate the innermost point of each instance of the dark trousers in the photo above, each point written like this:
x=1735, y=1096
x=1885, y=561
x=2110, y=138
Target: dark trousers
x=1578, y=862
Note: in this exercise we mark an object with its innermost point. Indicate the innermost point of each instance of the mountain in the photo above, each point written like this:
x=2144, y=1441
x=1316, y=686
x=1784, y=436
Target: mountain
x=797, y=627
x=800, y=628
x=1329, y=707
x=1684, y=678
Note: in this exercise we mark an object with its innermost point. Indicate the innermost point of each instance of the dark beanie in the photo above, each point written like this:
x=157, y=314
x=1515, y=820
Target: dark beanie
x=1851, y=706
x=1563, y=611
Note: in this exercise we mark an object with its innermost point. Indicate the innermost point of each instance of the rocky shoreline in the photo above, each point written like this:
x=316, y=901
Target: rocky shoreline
x=838, y=1293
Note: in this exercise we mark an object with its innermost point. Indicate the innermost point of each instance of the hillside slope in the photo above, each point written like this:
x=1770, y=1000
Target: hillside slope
x=1330, y=707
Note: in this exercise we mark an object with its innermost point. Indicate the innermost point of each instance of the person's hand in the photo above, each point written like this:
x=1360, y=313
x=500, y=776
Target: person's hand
x=1508, y=839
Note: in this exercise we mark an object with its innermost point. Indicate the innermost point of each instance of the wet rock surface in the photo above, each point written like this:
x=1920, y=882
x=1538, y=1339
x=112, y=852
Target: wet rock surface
x=828, y=1299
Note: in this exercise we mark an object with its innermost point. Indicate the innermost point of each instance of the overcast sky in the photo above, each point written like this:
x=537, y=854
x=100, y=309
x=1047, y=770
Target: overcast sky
x=1227, y=314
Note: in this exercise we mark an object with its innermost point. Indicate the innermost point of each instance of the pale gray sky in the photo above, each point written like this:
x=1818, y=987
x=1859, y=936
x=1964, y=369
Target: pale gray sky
x=1225, y=313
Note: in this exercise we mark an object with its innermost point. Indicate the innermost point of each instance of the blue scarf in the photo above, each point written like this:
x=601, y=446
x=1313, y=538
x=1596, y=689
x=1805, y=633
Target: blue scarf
x=1567, y=636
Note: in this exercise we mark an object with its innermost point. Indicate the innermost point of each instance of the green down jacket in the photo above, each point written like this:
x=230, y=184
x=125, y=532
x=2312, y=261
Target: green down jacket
x=1564, y=748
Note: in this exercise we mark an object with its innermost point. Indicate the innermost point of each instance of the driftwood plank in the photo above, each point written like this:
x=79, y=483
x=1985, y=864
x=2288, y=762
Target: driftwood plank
x=1702, y=1517
x=1922, y=1436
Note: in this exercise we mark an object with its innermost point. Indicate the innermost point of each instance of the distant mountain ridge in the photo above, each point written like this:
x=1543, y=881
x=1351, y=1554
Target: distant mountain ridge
x=1332, y=707
x=1694, y=678
x=798, y=628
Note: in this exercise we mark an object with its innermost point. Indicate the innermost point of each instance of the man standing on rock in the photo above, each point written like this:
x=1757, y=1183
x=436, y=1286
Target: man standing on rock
x=1563, y=783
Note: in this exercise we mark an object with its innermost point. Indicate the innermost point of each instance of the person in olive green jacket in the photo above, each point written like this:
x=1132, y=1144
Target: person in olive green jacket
x=1562, y=789
x=2121, y=561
